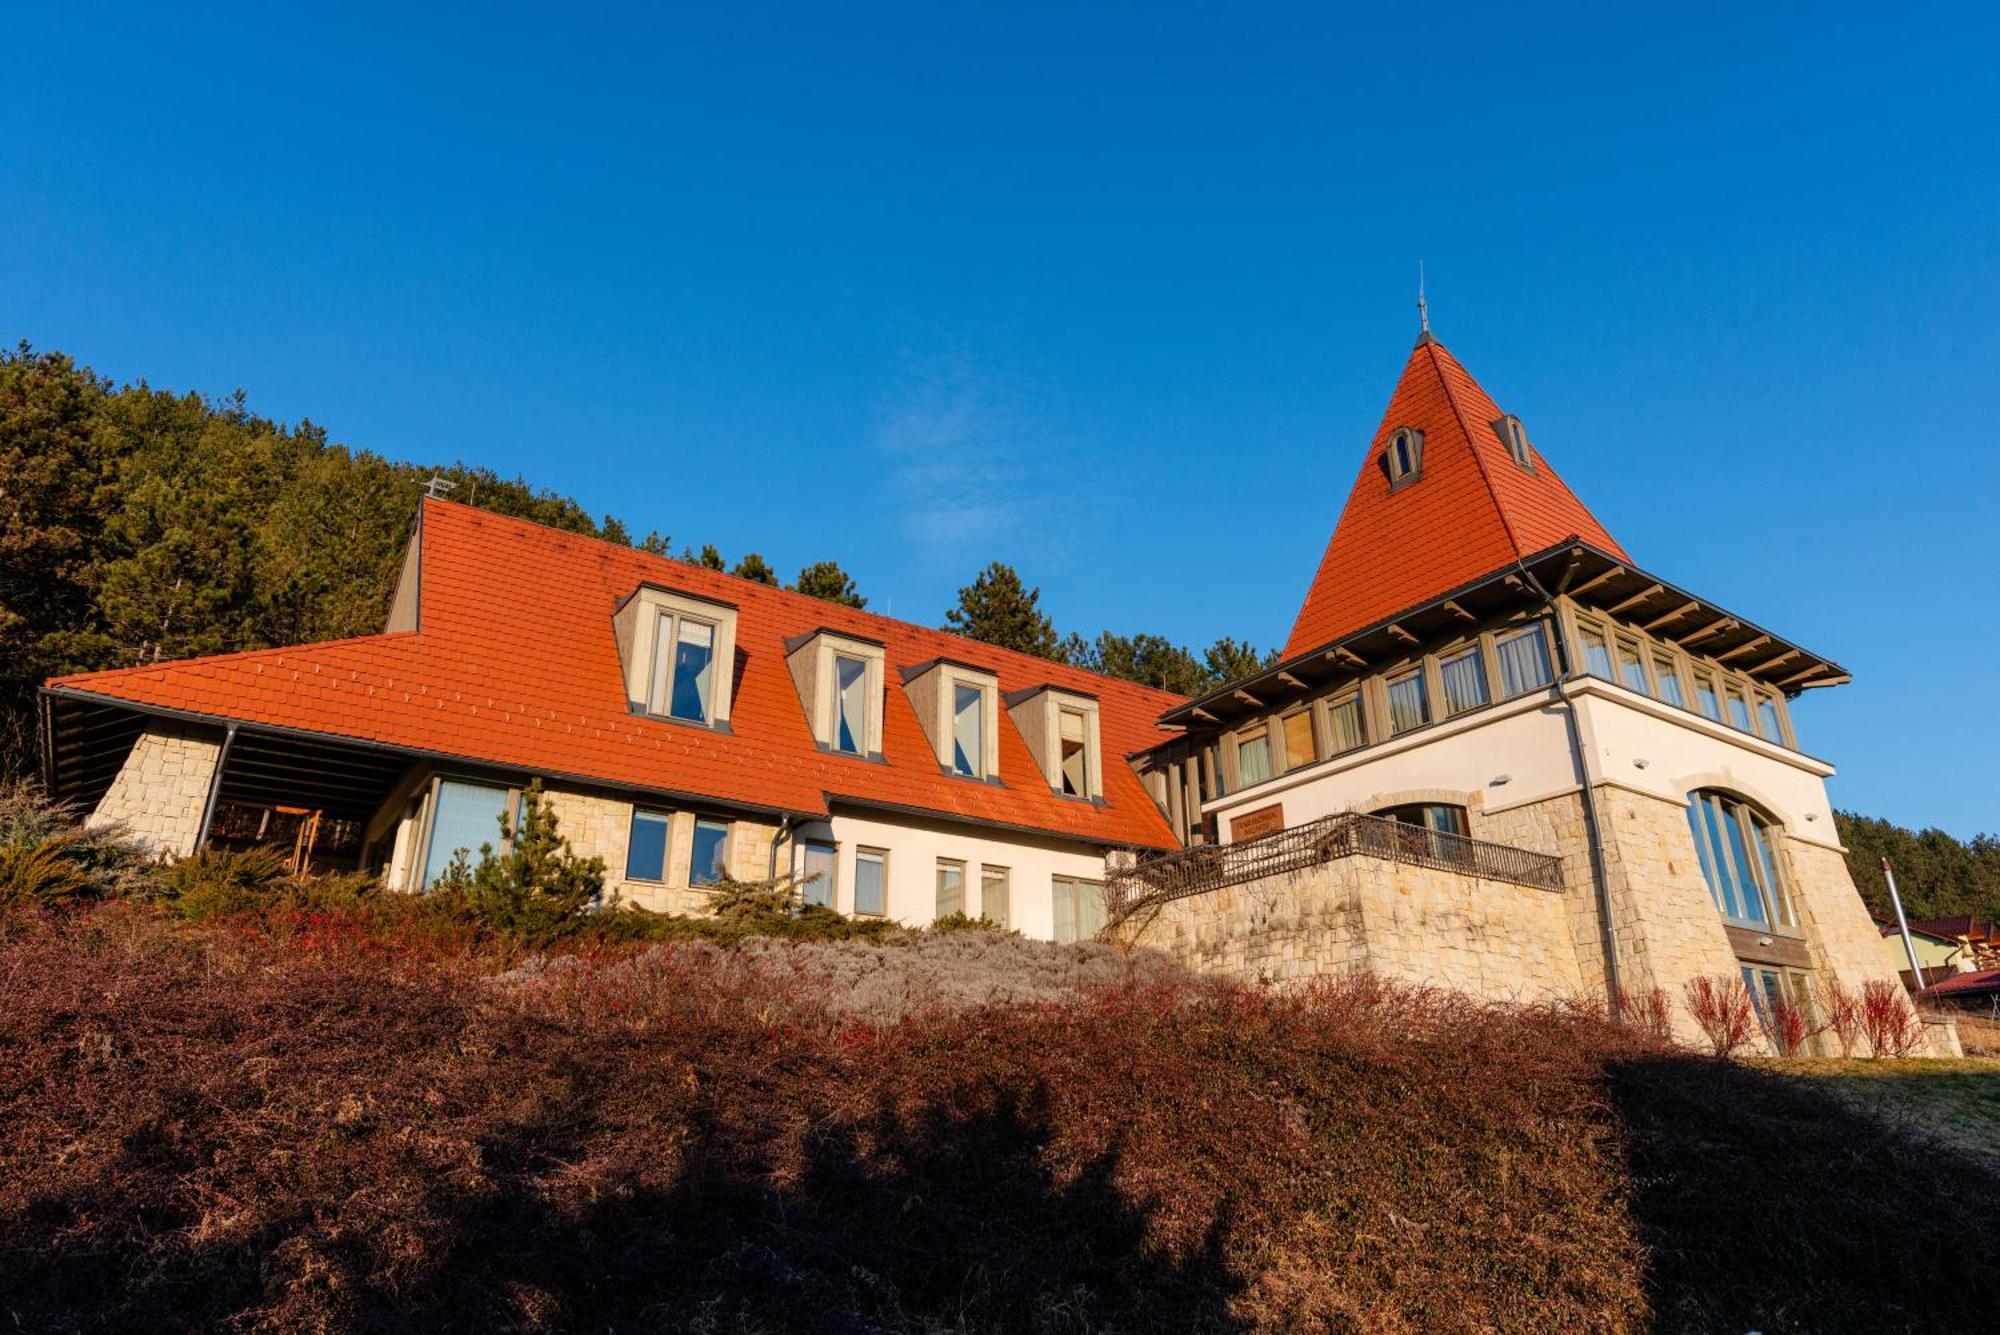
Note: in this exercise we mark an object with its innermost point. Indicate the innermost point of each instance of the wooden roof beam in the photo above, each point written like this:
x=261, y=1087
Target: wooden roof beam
x=1569, y=569
x=1770, y=663
x=1675, y=615
x=1247, y=698
x=1715, y=627
x=1343, y=654
x=1402, y=634
x=1747, y=647
x=1600, y=578
x=1201, y=713
x=1451, y=606
x=1291, y=681
x=1798, y=677
x=1635, y=599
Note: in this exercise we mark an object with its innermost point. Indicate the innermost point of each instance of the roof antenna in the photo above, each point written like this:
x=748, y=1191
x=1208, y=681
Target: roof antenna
x=1423, y=311
x=438, y=488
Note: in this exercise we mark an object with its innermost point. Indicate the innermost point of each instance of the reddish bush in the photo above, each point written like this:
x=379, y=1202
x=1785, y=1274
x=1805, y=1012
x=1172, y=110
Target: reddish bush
x=1888, y=1020
x=1790, y=1027
x=1721, y=1005
x=1648, y=1012
x=207, y=1128
x=1841, y=1010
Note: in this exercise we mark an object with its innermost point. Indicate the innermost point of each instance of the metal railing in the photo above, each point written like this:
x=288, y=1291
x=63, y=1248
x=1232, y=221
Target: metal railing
x=1205, y=867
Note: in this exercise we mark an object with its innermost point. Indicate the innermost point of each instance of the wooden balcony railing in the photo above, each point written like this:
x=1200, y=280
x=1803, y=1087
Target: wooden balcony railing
x=1205, y=867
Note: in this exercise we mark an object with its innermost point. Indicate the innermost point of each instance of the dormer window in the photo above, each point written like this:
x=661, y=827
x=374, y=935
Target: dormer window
x=957, y=704
x=677, y=651
x=1061, y=729
x=839, y=678
x=1515, y=437
x=1405, y=456
x=968, y=730
x=684, y=669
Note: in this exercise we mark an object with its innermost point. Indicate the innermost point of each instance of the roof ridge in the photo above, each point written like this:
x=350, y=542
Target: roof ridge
x=1485, y=475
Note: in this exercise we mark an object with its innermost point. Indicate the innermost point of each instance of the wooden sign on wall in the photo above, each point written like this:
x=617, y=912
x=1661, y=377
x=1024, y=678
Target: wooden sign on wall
x=1264, y=820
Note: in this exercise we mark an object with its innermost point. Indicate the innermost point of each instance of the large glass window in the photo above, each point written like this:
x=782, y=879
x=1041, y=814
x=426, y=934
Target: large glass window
x=1079, y=908
x=818, y=872
x=968, y=731
x=1253, y=758
x=1631, y=668
x=683, y=669
x=1346, y=730
x=1769, y=727
x=646, y=846
x=709, y=861
x=996, y=899
x=1596, y=651
x=850, y=705
x=1708, y=696
x=1409, y=702
x=1524, y=661
x=1464, y=677
x=1738, y=852
x=871, y=881
x=466, y=818
x=950, y=887
x=1075, y=759
x=1669, y=679
x=1299, y=748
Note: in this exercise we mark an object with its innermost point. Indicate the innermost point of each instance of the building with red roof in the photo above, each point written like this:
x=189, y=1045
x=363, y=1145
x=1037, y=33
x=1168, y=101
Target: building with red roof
x=1496, y=754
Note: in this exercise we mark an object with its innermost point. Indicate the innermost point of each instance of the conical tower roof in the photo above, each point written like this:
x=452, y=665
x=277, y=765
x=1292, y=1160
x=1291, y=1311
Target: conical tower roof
x=1469, y=509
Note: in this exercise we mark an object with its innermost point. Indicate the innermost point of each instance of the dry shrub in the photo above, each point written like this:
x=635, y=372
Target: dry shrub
x=1842, y=1011
x=48, y=858
x=1721, y=1005
x=1649, y=1012
x=1888, y=1020
x=1790, y=1027
x=202, y=1128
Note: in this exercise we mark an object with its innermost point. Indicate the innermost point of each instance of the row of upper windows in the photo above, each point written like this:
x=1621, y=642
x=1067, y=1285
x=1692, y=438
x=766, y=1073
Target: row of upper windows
x=1676, y=677
x=1495, y=665
x=842, y=681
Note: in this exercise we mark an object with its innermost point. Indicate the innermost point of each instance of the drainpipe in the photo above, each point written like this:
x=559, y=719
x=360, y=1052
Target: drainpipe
x=1903, y=924
x=214, y=788
x=786, y=823
x=1593, y=830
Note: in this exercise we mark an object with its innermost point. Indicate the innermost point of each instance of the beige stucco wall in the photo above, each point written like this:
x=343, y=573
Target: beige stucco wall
x=915, y=845
x=159, y=791
x=1422, y=925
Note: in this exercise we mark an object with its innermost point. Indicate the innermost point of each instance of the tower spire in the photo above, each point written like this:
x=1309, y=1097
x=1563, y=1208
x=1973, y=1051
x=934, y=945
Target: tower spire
x=1423, y=311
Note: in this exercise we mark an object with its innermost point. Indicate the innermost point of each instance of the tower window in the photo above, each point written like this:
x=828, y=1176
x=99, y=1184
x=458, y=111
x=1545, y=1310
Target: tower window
x=1404, y=458
x=1515, y=437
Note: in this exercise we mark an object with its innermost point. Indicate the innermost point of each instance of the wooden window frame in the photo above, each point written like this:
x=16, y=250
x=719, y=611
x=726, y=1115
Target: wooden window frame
x=882, y=854
x=1403, y=477
x=1690, y=670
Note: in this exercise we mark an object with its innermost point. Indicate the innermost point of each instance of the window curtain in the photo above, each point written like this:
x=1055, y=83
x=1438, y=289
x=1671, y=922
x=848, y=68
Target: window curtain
x=1524, y=662
x=950, y=890
x=868, y=887
x=1409, y=703
x=1253, y=759
x=994, y=898
x=694, y=659
x=1345, y=719
x=1597, y=654
x=965, y=730
x=1464, y=682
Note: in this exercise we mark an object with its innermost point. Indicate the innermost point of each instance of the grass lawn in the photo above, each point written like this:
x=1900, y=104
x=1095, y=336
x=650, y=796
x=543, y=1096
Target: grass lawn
x=1956, y=1100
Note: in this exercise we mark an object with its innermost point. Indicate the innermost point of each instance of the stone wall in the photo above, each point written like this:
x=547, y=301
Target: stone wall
x=160, y=790
x=598, y=825
x=1422, y=925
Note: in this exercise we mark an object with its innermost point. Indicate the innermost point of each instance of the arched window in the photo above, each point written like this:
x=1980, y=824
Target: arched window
x=1515, y=437
x=1442, y=817
x=1432, y=832
x=1738, y=849
x=1404, y=458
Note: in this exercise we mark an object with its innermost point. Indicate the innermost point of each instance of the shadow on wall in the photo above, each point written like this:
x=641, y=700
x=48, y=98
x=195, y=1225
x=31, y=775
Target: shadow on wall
x=1769, y=1204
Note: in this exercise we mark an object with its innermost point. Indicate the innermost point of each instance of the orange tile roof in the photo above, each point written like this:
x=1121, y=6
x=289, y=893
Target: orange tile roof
x=1472, y=510
x=514, y=663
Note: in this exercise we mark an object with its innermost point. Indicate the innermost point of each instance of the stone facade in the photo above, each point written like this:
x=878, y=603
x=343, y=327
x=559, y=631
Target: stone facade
x=598, y=825
x=162, y=788
x=1363, y=914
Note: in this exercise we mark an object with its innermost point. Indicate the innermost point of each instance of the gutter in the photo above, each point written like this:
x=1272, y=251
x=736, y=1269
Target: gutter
x=1580, y=764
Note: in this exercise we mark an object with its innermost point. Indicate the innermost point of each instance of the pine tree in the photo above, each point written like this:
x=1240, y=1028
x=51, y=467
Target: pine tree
x=754, y=566
x=1230, y=660
x=826, y=580
x=998, y=609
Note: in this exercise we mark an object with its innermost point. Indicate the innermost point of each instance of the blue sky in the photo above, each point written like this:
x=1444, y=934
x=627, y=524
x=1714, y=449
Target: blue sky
x=1115, y=296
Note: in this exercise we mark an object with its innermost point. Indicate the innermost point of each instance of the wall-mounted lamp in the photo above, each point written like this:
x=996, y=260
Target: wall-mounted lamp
x=1499, y=779
x=1640, y=764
